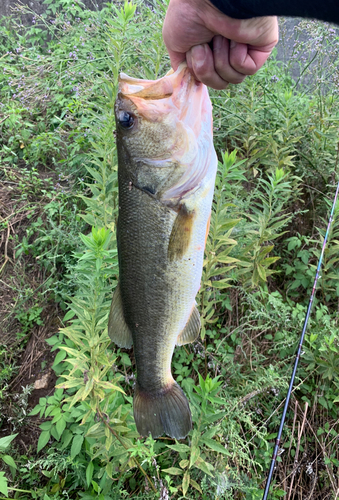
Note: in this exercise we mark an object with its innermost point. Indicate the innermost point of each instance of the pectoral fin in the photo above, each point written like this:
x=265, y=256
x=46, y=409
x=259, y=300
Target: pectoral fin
x=118, y=330
x=181, y=234
x=191, y=331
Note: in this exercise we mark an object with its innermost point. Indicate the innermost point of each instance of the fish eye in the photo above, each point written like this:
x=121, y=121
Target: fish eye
x=125, y=119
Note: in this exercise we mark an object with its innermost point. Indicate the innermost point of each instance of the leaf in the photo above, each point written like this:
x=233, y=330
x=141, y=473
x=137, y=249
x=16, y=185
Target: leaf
x=66, y=438
x=221, y=283
x=43, y=440
x=194, y=455
x=184, y=463
x=45, y=426
x=88, y=242
x=269, y=260
x=52, y=340
x=72, y=352
x=210, y=433
x=118, y=452
x=195, y=485
x=89, y=473
x=58, y=358
x=73, y=382
x=261, y=272
x=214, y=445
x=204, y=466
x=110, y=386
x=9, y=461
x=218, y=401
x=229, y=224
x=35, y=410
x=173, y=470
x=216, y=416
x=185, y=482
x=93, y=431
x=265, y=251
x=181, y=448
x=295, y=284
x=6, y=441
x=60, y=426
x=323, y=402
x=69, y=315
x=3, y=484
x=76, y=445
x=77, y=396
x=226, y=260
x=95, y=174
x=125, y=359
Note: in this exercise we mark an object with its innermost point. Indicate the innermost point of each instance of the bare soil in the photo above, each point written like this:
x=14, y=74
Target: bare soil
x=21, y=287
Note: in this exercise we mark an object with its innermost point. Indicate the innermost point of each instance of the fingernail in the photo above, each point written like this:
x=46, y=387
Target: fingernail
x=198, y=55
x=233, y=44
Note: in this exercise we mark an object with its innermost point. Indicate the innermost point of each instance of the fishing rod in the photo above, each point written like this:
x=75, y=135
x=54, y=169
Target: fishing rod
x=277, y=443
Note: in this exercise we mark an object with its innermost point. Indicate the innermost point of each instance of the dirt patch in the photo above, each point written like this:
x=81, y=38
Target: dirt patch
x=25, y=357
x=37, y=357
x=36, y=379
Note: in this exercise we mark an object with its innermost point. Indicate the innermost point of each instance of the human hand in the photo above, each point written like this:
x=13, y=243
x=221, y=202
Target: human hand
x=240, y=46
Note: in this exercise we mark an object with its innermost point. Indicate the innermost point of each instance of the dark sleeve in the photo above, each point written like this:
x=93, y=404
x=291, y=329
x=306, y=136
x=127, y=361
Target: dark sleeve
x=325, y=10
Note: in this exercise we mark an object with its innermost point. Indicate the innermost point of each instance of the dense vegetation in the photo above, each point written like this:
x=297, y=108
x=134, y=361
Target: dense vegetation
x=277, y=142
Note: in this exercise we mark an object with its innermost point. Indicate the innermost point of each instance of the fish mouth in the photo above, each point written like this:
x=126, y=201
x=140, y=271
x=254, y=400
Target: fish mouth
x=154, y=89
x=177, y=88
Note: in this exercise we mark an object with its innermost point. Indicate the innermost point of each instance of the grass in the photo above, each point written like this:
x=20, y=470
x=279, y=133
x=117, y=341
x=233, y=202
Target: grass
x=277, y=145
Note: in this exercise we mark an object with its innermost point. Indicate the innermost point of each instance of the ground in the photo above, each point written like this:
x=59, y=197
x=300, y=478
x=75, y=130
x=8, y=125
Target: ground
x=26, y=359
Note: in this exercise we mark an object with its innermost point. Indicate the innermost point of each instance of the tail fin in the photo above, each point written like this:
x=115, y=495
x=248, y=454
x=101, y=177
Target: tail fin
x=165, y=411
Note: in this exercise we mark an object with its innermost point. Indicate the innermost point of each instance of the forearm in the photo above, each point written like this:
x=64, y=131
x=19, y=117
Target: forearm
x=325, y=10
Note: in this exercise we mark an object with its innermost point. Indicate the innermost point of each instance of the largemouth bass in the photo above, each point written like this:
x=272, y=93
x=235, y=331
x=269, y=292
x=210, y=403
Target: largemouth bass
x=166, y=172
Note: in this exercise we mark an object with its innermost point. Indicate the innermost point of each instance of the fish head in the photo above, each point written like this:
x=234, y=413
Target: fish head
x=164, y=134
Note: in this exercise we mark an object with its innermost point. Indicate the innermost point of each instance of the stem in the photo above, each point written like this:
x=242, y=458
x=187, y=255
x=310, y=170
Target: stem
x=17, y=489
x=305, y=68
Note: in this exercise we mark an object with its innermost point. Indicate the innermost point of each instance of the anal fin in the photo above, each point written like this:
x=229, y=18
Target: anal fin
x=118, y=330
x=181, y=234
x=191, y=331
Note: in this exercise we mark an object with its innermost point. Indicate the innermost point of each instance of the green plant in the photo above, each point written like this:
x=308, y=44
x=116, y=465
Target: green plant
x=28, y=319
x=216, y=275
x=8, y=460
x=267, y=219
